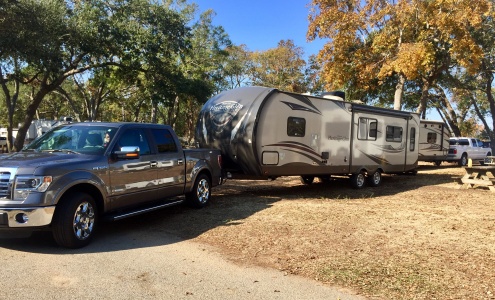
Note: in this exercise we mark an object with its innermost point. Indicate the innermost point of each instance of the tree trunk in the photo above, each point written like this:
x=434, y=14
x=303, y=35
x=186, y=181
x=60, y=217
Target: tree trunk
x=399, y=90
x=424, y=98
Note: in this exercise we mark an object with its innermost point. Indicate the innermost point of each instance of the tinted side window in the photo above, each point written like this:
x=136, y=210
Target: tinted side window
x=135, y=138
x=367, y=129
x=296, y=126
x=394, y=134
x=164, y=140
x=412, y=141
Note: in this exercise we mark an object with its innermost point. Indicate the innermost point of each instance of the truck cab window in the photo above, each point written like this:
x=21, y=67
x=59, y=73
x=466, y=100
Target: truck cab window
x=296, y=126
x=164, y=140
x=135, y=138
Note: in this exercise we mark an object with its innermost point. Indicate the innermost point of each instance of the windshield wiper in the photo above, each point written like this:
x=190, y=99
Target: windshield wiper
x=61, y=150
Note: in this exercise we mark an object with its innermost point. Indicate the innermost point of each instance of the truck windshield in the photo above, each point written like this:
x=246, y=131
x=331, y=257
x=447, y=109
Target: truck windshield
x=74, y=138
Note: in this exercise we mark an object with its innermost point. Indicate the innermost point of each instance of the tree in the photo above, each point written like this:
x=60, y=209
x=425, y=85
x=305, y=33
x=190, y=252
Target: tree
x=281, y=67
x=235, y=67
x=48, y=41
x=416, y=41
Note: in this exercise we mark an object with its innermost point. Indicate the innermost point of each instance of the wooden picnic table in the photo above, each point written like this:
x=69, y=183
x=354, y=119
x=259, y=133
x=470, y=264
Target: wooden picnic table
x=479, y=176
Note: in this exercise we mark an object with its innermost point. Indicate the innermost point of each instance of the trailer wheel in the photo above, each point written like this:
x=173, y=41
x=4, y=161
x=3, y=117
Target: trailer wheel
x=200, y=195
x=358, y=180
x=375, y=179
x=307, y=179
x=464, y=160
x=75, y=220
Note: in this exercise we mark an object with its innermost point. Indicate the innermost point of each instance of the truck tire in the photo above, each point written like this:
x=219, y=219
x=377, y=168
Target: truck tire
x=200, y=195
x=375, y=179
x=75, y=220
x=463, y=161
x=307, y=179
x=358, y=180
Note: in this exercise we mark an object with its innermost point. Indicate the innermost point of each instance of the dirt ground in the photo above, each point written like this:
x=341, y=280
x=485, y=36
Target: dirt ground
x=414, y=237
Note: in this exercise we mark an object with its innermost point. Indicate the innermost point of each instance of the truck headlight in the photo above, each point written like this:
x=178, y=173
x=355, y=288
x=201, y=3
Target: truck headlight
x=24, y=185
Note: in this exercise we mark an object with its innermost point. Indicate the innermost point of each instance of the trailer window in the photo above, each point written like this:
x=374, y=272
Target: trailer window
x=367, y=129
x=431, y=138
x=296, y=126
x=412, y=139
x=394, y=134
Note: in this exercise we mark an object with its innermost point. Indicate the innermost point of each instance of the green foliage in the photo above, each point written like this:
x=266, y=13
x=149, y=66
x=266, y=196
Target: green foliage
x=281, y=67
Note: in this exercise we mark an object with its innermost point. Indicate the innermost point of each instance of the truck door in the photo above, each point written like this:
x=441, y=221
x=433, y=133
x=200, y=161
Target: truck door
x=475, y=150
x=170, y=163
x=133, y=181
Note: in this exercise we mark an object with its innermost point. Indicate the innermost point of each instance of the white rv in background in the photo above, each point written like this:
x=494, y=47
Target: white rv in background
x=433, y=141
x=265, y=133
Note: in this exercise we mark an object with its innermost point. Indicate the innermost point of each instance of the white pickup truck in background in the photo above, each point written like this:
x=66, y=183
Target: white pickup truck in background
x=463, y=148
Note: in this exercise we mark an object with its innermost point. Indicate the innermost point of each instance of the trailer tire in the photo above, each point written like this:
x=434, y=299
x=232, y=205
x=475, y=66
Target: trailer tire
x=307, y=179
x=358, y=180
x=464, y=160
x=75, y=220
x=199, y=197
x=375, y=179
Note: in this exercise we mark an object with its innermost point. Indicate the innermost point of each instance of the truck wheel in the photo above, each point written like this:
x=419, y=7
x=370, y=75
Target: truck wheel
x=200, y=194
x=307, y=179
x=358, y=180
x=75, y=219
x=463, y=161
x=375, y=179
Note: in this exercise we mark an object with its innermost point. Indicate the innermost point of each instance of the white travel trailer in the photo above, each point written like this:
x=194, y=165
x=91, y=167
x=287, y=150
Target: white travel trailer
x=265, y=133
x=433, y=141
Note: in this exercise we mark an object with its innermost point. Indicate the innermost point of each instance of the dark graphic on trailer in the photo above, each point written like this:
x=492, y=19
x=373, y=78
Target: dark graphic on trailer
x=222, y=113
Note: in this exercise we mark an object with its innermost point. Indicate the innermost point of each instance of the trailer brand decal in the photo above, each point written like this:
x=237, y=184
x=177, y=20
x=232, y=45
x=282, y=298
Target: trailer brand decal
x=223, y=112
x=339, y=138
x=294, y=106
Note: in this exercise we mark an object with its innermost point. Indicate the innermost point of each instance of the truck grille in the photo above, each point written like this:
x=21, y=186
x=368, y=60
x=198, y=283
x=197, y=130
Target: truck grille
x=5, y=184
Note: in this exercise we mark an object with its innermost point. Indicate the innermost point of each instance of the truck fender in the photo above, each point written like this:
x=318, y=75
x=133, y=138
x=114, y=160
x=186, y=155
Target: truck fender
x=79, y=178
x=201, y=166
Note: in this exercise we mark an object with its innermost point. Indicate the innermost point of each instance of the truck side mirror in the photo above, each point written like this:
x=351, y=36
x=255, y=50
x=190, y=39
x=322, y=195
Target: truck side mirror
x=127, y=152
x=325, y=155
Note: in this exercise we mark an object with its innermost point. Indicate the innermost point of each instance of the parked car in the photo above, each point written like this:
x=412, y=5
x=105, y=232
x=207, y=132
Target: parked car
x=462, y=149
x=72, y=176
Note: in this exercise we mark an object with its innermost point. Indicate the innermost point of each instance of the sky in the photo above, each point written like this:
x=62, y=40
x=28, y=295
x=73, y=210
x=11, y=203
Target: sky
x=260, y=25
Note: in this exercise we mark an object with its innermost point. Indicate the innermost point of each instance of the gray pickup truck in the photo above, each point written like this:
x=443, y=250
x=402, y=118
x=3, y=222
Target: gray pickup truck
x=76, y=175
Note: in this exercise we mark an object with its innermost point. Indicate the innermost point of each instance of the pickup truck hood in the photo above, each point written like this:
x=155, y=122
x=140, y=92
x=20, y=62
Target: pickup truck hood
x=31, y=159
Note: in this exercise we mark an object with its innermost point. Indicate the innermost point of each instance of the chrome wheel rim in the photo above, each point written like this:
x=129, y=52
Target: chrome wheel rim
x=203, y=191
x=84, y=221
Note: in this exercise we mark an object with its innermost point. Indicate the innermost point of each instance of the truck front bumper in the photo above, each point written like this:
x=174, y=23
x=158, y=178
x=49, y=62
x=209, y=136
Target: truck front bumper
x=26, y=217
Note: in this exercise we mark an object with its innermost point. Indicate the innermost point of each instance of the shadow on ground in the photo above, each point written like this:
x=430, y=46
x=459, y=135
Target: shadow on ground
x=231, y=203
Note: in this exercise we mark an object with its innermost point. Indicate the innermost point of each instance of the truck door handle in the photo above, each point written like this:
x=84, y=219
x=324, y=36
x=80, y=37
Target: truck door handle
x=153, y=164
x=180, y=161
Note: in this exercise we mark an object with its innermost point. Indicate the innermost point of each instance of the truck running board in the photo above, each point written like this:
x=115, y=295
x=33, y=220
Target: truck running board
x=140, y=210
